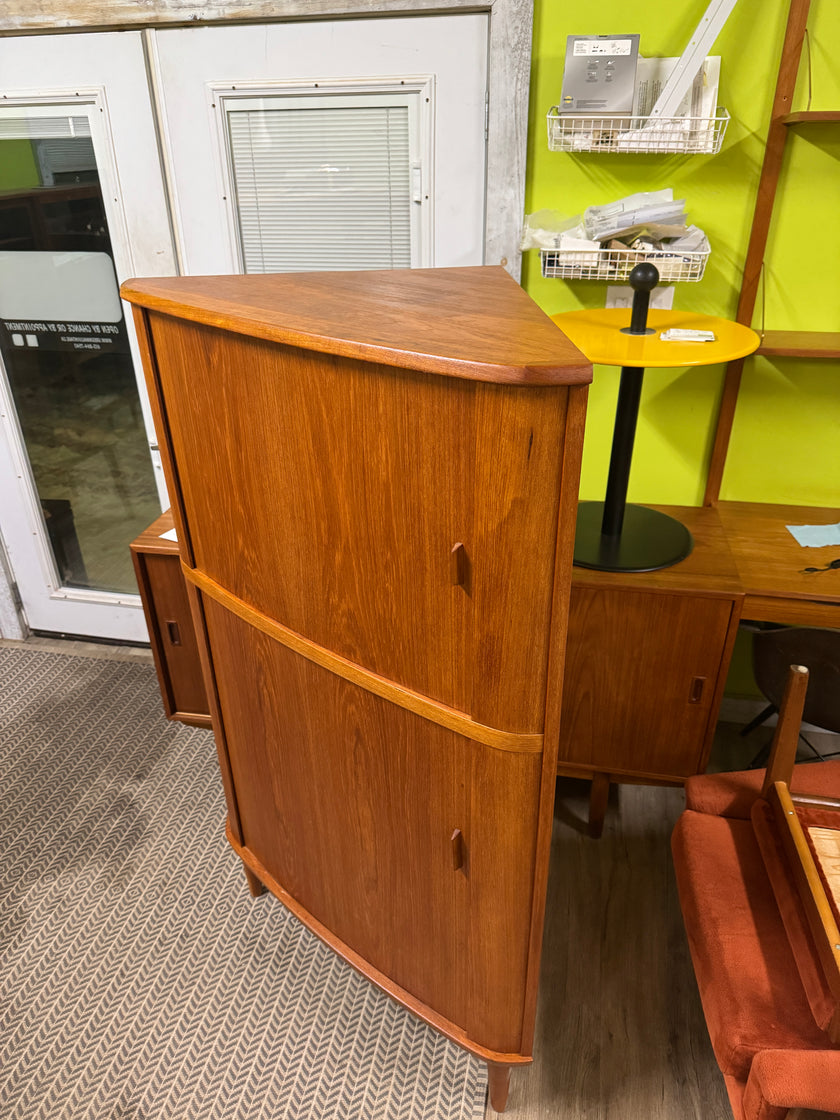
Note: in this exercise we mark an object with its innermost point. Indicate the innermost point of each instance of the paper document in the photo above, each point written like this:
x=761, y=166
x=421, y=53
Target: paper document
x=169, y=535
x=681, y=334
x=701, y=99
x=815, y=536
x=637, y=211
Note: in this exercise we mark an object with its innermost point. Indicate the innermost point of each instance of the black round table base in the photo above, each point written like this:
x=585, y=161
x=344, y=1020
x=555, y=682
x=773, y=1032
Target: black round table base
x=649, y=540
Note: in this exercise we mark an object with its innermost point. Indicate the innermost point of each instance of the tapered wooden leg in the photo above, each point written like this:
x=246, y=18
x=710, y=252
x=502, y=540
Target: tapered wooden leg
x=498, y=1078
x=254, y=885
x=598, y=798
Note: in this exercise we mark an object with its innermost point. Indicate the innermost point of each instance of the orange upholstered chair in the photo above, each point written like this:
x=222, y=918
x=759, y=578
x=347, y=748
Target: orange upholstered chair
x=761, y=944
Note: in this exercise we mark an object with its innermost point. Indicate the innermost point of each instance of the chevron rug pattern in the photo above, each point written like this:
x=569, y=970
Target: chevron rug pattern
x=139, y=980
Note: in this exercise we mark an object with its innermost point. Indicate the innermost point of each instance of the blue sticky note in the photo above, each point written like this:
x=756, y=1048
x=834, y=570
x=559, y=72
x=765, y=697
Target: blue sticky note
x=816, y=536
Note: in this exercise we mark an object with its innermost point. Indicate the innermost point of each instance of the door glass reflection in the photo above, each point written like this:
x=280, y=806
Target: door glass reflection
x=65, y=351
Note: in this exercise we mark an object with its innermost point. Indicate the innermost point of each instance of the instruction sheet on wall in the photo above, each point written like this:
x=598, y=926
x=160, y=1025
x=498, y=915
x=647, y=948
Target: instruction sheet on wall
x=699, y=102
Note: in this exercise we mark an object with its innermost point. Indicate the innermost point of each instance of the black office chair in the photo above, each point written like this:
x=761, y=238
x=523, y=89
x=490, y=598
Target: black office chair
x=774, y=651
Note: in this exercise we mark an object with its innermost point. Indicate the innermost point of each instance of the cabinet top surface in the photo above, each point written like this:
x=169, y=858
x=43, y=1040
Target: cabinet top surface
x=150, y=540
x=473, y=323
x=598, y=334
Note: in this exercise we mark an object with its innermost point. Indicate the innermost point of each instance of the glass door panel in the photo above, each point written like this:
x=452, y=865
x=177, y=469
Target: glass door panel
x=82, y=208
x=65, y=351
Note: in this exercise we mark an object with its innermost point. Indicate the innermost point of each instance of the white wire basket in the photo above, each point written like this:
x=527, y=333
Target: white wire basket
x=616, y=264
x=682, y=135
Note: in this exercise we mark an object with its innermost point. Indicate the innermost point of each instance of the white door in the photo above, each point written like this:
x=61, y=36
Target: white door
x=82, y=207
x=332, y=144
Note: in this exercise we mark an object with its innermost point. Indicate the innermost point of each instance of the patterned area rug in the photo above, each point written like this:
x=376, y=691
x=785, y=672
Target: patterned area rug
x=139, y=980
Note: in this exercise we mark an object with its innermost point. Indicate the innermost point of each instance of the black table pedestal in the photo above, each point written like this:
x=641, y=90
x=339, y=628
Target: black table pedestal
x=612, y=536
x=648, y=540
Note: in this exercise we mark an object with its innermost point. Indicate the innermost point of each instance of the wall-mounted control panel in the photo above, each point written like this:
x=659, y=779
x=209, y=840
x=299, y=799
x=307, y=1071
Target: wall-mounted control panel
x=600, y=74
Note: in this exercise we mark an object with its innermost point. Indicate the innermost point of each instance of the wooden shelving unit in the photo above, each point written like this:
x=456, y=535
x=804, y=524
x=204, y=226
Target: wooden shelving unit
x=817, y=345
x=800, y=344
x=815, y=116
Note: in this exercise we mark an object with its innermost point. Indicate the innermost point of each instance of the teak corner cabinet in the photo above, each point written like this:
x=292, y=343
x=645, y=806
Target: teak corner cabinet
x=374, y=480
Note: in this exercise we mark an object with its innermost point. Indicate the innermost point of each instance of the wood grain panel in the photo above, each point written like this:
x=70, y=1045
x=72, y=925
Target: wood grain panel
x=709, y=569
x=518, y=477
x=32, y=15
x=470, y=323
x=504, y=804
x=157, y=566
x=358, y=675
x=770, y=561
x=800, y=344
x=641, y=680
x=350, y=806
x=345, y=554
x=349, y=802
x=176, y=642
x=791, y=612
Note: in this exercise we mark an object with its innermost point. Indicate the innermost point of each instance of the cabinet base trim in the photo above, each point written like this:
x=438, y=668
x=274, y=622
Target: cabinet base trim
x=444, y=1026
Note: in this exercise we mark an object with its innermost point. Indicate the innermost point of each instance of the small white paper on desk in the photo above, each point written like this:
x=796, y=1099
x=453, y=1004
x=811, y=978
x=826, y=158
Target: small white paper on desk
x=816, y=536
x=169, y=535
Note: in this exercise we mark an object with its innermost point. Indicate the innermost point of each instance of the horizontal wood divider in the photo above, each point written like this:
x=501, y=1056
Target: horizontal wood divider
x=451, y=718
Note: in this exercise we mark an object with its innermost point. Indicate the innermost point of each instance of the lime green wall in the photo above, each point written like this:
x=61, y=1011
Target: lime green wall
x=18, y=168
x=786, y=437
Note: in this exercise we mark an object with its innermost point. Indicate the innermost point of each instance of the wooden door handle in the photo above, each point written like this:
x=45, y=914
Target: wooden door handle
x=695, y=693
x=457, y=841
x=458, y=565
x=174, y=631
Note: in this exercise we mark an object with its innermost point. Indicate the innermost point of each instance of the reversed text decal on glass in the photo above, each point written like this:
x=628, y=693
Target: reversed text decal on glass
x=65, y=351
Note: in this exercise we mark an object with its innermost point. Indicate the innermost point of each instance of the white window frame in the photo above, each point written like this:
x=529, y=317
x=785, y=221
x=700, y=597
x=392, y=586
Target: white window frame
x=509, y=71
x=420, y=89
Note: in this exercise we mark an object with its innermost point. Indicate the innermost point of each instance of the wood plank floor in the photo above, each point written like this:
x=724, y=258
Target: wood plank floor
x=620, y=1028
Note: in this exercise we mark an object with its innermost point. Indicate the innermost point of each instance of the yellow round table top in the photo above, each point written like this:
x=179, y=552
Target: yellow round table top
x=598, y=335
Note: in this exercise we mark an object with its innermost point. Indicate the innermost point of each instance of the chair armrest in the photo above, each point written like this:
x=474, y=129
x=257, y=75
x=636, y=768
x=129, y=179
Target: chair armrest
x=783, y=1079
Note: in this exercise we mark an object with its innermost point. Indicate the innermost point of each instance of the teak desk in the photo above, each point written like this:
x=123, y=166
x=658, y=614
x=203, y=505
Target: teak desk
x=648, y=652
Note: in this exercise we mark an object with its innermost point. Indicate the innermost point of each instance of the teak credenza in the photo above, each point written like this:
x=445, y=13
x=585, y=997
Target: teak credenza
x=374, y=479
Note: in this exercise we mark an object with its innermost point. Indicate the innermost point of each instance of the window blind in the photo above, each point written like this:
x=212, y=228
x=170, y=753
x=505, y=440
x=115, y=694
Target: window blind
x=36, y=128
x=322, y=188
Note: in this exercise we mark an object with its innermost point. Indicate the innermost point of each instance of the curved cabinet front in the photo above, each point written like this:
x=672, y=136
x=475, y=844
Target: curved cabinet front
x=378, y=544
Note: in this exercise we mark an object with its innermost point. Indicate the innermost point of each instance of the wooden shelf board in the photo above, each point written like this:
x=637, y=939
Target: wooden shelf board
x=813, y=116
x=801, y=344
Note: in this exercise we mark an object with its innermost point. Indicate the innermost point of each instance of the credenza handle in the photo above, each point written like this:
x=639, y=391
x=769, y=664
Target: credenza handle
x=458, y=565
x=695, y=694
x=174, y=632
x=457, y=841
